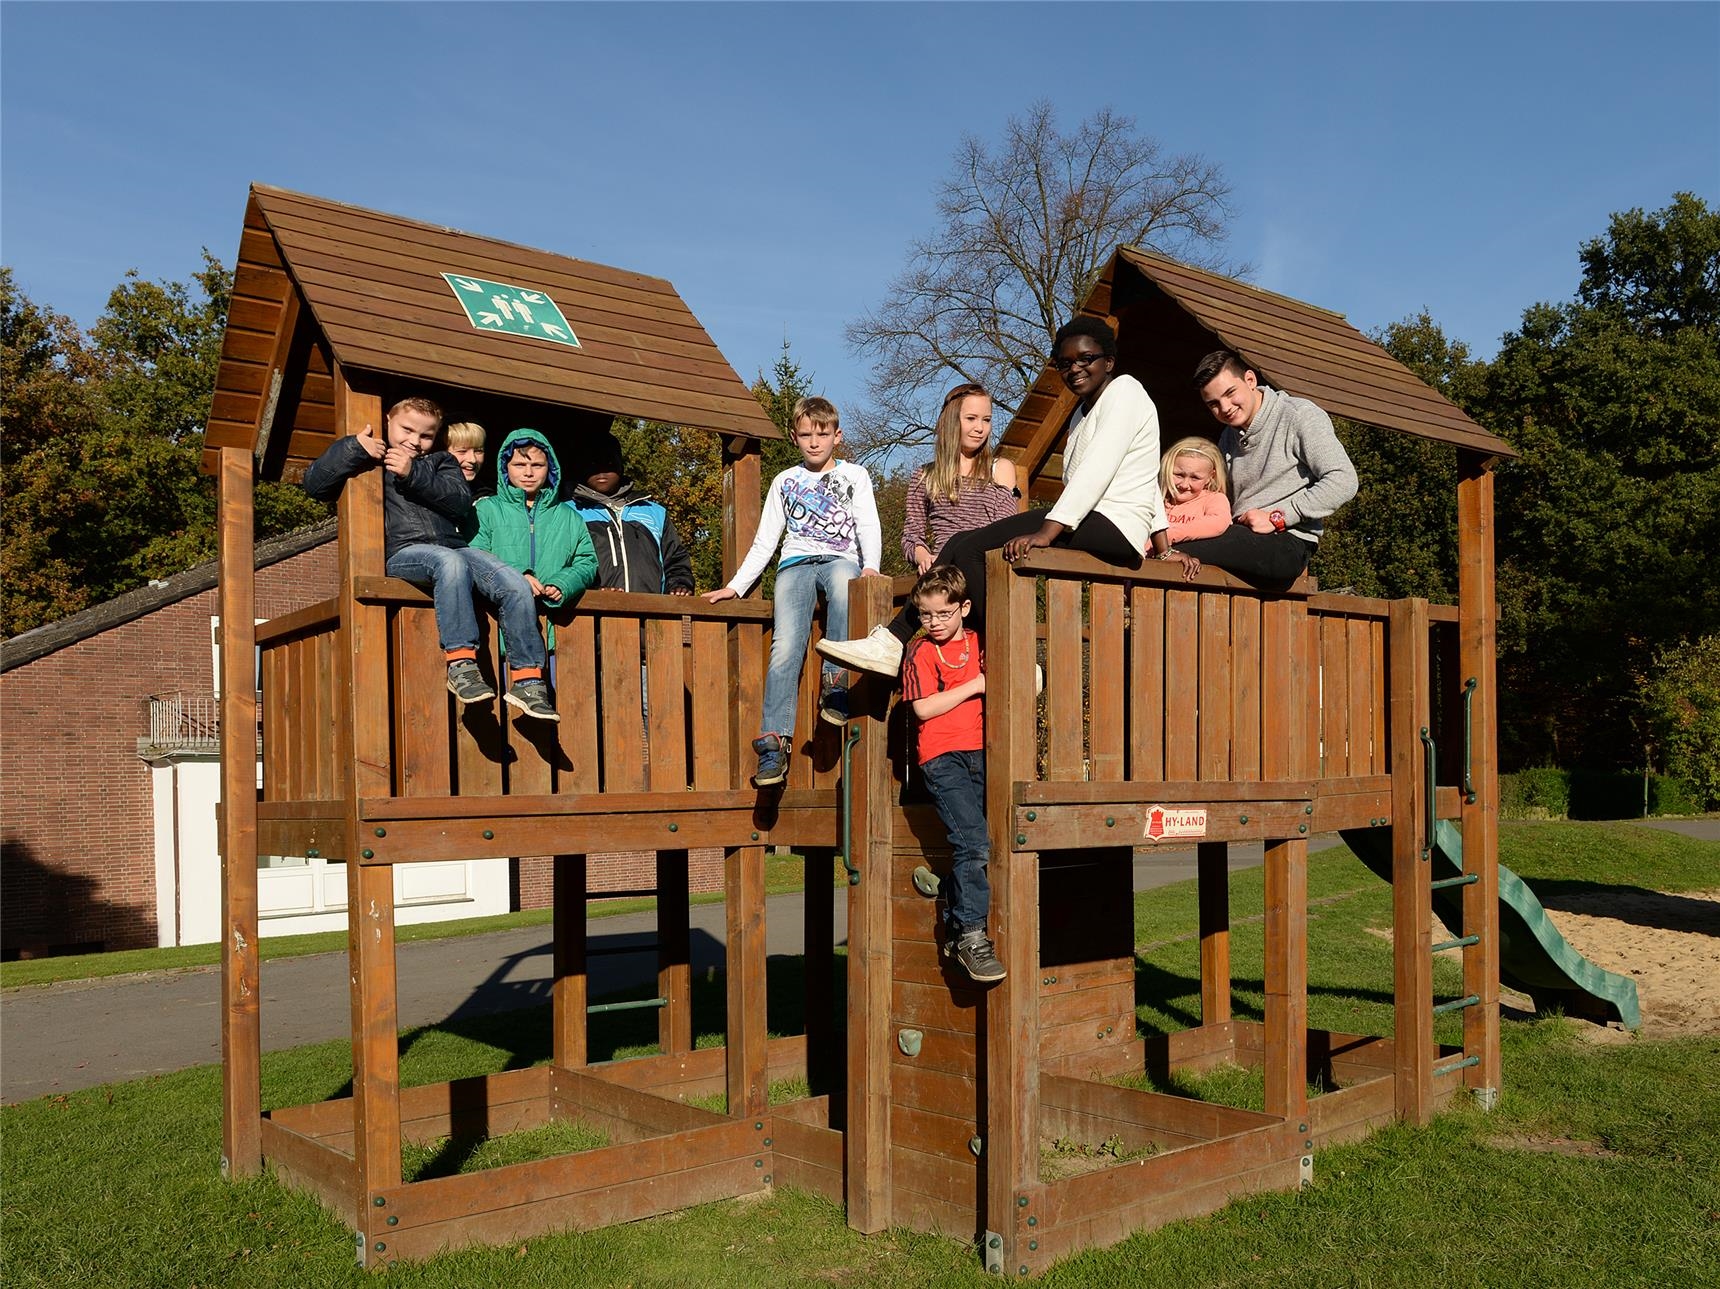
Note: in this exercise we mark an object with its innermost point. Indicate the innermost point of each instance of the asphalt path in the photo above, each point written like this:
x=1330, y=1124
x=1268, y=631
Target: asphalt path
x=79, y=1034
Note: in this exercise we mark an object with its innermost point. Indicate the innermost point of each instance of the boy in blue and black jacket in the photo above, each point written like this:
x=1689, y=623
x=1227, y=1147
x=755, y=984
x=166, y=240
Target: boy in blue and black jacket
x=638, y=548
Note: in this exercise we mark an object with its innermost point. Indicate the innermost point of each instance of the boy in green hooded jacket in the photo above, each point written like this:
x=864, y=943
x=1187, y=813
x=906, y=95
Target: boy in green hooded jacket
x=524, y=527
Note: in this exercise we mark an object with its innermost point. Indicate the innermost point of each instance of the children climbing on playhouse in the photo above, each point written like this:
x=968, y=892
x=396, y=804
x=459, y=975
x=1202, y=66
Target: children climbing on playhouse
x=428, y=525
x=823, y=515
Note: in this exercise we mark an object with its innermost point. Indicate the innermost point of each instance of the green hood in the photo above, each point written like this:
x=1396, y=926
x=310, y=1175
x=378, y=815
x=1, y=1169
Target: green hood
x=552, y=485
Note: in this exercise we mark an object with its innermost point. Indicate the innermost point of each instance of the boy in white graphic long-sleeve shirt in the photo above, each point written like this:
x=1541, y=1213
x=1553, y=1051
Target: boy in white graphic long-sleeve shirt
x=824, y=514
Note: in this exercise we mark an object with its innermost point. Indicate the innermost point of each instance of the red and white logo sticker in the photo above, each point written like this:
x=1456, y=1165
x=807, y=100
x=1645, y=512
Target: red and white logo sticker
x=1166, y=825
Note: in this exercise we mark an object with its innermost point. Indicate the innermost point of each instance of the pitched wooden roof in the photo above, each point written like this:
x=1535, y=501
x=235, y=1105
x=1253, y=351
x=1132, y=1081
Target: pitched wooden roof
x=319, y=283
x=1169, y=316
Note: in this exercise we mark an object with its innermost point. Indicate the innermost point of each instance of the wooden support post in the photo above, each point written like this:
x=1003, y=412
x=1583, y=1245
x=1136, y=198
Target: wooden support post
x=363, y=761
x=241, y=1026
x=1287, y=978
x=743, y=499
x=1011, y=1043
x=1212, y=861
x=748, y=1081
x=1477, y=631
x=674, y=952
x=1412, y=893
x=570, y=989
x=871, y=962
x=818, y=970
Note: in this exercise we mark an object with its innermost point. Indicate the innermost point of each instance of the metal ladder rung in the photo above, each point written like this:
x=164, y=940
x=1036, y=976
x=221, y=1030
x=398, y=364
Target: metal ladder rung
x=1465, y=1063
x=1466, y=880
x=1458, y=943
x=633, y=1005
x=1456, y=1004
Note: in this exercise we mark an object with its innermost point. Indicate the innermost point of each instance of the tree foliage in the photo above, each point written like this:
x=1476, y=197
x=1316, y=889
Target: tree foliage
x=1025, y=227
x=102, y=436
x=1681, y=697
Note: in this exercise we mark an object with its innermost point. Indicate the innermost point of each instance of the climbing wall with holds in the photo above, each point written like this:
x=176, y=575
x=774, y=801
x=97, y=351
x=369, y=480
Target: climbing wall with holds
x=937, y=1016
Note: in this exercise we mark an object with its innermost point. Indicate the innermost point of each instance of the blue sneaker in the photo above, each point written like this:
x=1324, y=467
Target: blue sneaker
x=833, y=703
x=772, y=752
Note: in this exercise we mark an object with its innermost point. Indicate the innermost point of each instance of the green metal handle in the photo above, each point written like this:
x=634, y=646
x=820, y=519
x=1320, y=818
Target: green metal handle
x=1429, y=763
x=848, y=743
x=1469, y=687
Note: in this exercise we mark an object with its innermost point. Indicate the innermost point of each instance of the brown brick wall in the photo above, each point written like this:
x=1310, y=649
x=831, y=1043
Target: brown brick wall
x=78, y=857
x=622, y=870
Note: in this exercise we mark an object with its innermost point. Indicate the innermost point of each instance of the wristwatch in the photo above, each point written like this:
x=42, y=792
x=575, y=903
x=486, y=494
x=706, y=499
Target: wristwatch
x=1276, y=519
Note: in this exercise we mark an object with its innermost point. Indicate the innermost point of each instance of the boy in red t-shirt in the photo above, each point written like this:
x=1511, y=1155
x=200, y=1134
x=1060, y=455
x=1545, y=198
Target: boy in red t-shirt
x=943, y=681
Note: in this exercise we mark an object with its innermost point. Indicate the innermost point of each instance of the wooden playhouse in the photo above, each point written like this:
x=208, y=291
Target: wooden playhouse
x=1317, y=712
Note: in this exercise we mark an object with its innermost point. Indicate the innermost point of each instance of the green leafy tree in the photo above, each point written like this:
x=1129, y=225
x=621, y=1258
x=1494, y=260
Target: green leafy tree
x=1681, y=700
x=1609, y=523
x=102, y=443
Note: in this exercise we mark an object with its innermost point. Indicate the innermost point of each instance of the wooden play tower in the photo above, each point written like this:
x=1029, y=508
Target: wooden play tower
x=1315, y=712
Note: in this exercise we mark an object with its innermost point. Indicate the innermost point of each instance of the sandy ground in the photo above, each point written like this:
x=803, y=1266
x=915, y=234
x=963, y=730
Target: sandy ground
x=1669, y=944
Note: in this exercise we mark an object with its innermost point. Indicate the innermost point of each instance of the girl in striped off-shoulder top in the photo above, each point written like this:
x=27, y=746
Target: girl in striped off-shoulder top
x=966, y=485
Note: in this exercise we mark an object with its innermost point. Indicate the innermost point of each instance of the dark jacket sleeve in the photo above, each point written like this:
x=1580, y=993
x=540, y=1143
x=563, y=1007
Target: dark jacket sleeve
x=677, y=560
x=435, y=482
x=329, y=472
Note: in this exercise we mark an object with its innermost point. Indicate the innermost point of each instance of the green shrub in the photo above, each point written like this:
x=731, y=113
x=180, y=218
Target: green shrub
x=1670, y=795
x=1542, y=792
x=1682, y=702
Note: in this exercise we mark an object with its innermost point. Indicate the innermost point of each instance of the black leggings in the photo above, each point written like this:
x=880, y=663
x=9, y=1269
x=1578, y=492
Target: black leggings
x=1096, y=536
x=1270, y=560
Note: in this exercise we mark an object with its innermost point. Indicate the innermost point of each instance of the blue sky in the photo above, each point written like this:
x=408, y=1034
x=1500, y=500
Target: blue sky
x=775, y=160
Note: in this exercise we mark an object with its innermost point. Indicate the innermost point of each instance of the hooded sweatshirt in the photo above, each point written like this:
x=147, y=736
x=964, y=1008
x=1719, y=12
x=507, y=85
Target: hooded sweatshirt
x=547, y=540
x=638, y=548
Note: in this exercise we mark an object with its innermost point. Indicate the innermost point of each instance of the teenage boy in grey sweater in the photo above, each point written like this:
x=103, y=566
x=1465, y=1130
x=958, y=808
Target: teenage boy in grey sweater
x=1287, y=473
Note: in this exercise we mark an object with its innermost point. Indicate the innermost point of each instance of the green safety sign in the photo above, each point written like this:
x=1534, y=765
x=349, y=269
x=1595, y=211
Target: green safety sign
x=516, y=310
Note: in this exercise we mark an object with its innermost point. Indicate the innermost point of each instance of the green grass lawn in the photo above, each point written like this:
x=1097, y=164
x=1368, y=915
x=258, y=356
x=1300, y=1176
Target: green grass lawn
x=1600, y=1167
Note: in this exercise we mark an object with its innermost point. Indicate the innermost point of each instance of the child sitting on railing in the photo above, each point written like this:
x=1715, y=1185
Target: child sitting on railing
x=823, y=513
x=426, y=526
x=943, y=683
x=523, y=525
x=1196, y=505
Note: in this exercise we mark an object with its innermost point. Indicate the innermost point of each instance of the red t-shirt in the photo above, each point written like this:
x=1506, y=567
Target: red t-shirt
x=931, y=669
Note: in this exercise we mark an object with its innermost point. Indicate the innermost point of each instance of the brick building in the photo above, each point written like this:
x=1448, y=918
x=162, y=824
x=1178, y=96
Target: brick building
x=85, y=823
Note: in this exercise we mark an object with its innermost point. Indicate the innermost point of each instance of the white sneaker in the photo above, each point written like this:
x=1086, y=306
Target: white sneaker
x=878, y=651
x=1038, y=680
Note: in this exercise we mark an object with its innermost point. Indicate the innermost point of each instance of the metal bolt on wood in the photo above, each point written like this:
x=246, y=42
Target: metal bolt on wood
x=382, y=832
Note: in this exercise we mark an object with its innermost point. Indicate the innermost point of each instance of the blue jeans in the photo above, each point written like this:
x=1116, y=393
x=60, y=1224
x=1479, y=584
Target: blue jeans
x=956, y=781
x=797, y=588
x=453, y=573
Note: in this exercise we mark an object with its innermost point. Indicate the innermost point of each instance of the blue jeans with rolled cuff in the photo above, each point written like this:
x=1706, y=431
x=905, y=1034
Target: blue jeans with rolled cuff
x=452, y=574
x=956, y=781
x=797, y=588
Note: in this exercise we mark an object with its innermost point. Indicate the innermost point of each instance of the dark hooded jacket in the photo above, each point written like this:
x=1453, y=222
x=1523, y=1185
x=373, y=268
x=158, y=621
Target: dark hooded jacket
x=431, y=505
x=637, y=546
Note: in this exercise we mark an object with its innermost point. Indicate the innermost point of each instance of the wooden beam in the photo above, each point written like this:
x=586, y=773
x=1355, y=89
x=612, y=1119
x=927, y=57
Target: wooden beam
x=1477, y=641
x=744, y=956
x=1287, y=979
x=870, y=950
x=241, y=1032
x=743, y=499
x=1011, y=1037
x=1412, y=894
x=674, y=952
x=569, y=989
x=1212, y=864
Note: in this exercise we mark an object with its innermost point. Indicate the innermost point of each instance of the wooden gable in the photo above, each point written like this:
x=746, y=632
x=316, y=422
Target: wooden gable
x=319, y=283
x=1168, y=316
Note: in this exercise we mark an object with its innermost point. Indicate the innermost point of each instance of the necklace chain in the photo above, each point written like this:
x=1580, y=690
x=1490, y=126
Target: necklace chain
x=960, y=662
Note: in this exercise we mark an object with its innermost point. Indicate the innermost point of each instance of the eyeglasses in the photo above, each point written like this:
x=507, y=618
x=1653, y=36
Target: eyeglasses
x=935, y=616
x=1079, y=360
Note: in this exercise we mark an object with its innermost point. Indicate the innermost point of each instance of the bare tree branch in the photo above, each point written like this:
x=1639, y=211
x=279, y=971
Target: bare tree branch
x=1025, y=228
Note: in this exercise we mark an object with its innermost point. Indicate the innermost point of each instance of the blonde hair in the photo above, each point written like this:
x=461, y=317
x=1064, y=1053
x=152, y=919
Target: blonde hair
x=820, y=411
x=944, y=478
x=1194, y=446
x=466, y=434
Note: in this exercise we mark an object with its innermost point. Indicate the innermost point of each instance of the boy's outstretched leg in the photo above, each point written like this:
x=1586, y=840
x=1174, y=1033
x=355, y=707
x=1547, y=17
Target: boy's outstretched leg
x=516, y=607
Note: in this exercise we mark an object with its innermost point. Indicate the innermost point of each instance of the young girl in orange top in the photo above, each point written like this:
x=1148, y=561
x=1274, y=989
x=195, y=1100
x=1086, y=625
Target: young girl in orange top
x=1193, y=478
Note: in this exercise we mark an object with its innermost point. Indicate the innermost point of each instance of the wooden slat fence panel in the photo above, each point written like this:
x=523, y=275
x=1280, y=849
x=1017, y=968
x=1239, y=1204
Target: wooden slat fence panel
x=1214, y=694
x=1106, y=708
x=1063, y=703
x=1146, y=682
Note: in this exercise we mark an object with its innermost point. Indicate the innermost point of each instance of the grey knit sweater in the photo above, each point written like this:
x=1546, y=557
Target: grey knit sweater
x=1288, y=459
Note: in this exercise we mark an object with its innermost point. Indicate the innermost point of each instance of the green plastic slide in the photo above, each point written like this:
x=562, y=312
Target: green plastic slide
x=1533, y=957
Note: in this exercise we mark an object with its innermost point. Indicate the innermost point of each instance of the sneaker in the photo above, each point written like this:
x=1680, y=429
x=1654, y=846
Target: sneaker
x=878, y=651
x=772, y=752
x=974, y=954
x=1038, y=680
x=467, y=683
x=833, y=703
x=532, y=698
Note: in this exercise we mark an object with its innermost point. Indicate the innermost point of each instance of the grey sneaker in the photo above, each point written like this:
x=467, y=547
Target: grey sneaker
x=878, y=651
x=467, y=683
x=532, y=698
x=772, y=752
x=974, y=955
